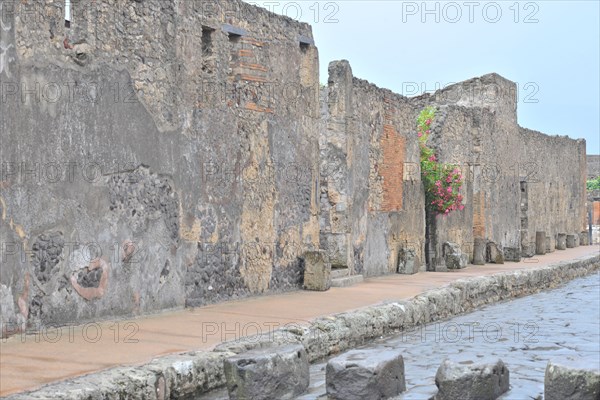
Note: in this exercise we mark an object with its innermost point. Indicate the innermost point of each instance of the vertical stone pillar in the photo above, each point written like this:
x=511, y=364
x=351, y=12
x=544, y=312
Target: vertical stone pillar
x=335, y=150
x=572, y=241
x=540, y=242
x=561, y=241
x=479, y=249
x=549, y=244
x=317, y=271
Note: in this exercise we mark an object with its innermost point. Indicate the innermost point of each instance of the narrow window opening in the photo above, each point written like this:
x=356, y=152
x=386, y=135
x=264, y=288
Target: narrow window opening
x=207, y=49
x=207, y=44
x=67, y=13
x=304, y=47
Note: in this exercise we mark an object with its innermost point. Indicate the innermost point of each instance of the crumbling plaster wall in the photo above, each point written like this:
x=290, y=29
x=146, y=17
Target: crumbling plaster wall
x=174, y=156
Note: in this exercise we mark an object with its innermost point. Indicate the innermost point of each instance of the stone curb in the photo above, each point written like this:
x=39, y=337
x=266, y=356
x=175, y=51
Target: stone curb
x=186, y=375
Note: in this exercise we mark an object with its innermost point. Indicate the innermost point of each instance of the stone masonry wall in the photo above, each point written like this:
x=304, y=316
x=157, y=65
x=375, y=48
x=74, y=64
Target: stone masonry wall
x=155, y=154
x=516, y=181
x=371, y=193
x=161, y=154
x=556, y=191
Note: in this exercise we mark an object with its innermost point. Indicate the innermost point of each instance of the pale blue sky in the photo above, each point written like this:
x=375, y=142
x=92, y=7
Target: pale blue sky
x=555, y=60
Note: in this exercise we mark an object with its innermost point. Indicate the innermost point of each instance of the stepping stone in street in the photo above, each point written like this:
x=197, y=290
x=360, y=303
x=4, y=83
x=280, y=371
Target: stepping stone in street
x=568, y=379
x=371, y=374
x=276, y=372
x=466, y=380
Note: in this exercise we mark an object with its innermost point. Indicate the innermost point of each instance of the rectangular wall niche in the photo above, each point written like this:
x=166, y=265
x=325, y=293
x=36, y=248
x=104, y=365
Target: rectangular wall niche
x=207, y=41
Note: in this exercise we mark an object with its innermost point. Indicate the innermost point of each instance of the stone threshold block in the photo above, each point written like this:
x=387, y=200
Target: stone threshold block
x=365, y=375
x=466, y=380
x=276, y=372
x=568, y=379
x=317, y=271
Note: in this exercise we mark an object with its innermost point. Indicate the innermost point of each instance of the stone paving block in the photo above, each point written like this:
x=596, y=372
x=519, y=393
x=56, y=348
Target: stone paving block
x=466, y=380
x=276, y=372
x=365, y=375
x=568, y=379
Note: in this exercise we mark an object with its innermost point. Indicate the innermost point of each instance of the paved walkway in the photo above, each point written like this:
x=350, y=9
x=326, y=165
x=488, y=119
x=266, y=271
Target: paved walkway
x=26, y=362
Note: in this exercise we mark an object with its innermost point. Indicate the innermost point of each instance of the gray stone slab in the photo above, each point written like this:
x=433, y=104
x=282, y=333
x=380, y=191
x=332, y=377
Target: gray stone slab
x=347, y=281
x=568, y=379
x=277, y=372
x=466, y=380
x=365, y=375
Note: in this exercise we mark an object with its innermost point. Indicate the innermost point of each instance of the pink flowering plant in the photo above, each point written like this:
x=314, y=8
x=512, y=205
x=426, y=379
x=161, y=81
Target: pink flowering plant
x=442, y=181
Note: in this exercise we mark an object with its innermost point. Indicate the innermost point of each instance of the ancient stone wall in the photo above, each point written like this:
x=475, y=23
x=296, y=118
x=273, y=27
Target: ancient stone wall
x=371, y=193
x=157, y=154
x=516, y=181
x=154, y=154
x=556, y=194
x=476, y=129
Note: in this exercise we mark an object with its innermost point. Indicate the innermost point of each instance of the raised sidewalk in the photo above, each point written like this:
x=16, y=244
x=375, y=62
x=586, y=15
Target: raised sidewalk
x=28, y=362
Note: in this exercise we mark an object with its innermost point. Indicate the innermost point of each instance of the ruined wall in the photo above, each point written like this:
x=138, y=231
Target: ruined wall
x=371, y=193
x=556, y=184
x=515, y=181
x=518, y=181
x=156, y=154
x=476, y=129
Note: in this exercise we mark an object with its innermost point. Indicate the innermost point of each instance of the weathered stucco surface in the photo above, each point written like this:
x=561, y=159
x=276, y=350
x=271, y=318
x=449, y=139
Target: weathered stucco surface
x=162, y=154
